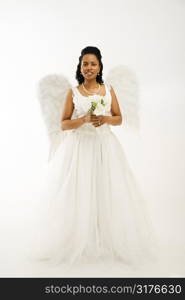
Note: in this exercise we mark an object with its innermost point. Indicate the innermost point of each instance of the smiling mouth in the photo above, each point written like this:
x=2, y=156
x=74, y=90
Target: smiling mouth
x=89, y=73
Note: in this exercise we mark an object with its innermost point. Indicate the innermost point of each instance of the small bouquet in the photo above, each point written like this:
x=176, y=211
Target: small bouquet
x=99, y=107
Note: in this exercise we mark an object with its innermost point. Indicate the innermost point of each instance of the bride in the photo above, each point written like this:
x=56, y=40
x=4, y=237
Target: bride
x=93, y=207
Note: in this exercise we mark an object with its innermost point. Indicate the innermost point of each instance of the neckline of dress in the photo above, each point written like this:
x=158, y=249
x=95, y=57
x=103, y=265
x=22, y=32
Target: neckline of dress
x=93, y=94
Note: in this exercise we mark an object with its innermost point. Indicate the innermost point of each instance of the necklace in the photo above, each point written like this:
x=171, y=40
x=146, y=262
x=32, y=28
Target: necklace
x=90, y=92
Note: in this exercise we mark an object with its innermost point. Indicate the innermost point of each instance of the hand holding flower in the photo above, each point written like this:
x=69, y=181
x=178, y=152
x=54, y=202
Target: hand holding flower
x=96, y=112
x=99, y=121
x=90, y=118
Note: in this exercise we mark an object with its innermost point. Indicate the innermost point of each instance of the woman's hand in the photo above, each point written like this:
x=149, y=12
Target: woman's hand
x=98, y=121
x=95, y=120
x=87, y=118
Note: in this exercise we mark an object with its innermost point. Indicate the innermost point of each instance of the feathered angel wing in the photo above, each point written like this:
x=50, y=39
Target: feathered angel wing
x=125, y=84
x=52, y=90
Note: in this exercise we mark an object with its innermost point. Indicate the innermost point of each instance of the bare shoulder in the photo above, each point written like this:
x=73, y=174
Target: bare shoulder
x=69, y=96
x=113, y=94
x=69, y=93
x=115, y=109
x=112, y=90
x=68, y=106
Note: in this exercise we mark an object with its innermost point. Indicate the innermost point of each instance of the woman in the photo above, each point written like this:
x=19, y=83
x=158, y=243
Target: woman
x=95, y=208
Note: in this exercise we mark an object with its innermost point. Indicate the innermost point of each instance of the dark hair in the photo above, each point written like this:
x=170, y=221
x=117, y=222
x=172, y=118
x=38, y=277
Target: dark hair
x=89, y=50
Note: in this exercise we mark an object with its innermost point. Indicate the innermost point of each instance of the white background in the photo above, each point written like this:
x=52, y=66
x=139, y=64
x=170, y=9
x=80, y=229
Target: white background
x=44, y=37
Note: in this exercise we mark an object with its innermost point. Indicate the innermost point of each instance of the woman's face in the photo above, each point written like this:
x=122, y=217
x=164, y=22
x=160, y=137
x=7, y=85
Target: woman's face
x=90, y=66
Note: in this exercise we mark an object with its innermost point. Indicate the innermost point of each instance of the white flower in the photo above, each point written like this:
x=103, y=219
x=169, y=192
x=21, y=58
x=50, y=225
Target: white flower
x=97, y=105
x=101, y=106
x=100, y=109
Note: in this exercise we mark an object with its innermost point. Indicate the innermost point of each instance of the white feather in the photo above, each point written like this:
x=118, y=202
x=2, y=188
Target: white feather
x=52, y=90
x=125, y=84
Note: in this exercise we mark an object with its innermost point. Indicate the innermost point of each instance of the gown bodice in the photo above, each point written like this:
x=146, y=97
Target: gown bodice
x=83, y=103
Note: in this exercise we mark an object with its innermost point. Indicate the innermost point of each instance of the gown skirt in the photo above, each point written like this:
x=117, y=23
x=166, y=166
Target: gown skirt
x=92, y=208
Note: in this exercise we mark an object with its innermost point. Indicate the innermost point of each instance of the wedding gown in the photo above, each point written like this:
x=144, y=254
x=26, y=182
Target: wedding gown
x=92, y=208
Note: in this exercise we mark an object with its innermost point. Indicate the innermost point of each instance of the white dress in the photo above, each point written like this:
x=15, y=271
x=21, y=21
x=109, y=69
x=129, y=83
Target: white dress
x=92, y=207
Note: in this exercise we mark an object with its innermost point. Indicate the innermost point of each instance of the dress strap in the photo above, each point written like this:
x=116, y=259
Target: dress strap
x=74, y=90
x=108, y=86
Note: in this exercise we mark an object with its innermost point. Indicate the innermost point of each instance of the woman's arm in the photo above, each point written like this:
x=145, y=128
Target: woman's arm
x=116, y=118
x=66, y=122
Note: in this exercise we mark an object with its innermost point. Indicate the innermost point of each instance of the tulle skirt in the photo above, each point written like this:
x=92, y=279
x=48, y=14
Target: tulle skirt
x=92, y=208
